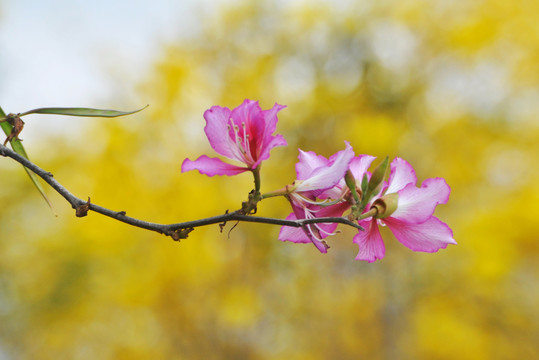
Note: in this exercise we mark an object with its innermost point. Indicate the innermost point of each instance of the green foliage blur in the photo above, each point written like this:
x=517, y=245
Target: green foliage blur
x=451, y=87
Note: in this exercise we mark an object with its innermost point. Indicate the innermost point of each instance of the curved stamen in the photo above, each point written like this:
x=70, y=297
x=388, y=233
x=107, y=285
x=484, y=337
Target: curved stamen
x=309, y=215
x=246, y=144
x=235, y=145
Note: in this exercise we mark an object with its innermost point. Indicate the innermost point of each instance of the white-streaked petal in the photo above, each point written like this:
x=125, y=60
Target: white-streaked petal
x=416, y=205
x=359, y=166
x=308, y=161
x=371, y=245
x=326, y=177
x=402, y=174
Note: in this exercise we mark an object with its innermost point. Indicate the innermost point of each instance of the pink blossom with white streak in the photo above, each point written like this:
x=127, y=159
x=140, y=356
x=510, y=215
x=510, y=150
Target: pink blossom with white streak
x=315, y=174
x=412, y=223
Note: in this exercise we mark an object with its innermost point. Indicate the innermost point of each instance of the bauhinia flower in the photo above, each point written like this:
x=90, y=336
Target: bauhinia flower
x=315, y=174
x=408, y=212
x=244, y=134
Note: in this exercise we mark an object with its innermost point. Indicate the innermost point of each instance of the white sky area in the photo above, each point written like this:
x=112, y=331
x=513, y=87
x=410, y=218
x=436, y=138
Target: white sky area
x=85, y=53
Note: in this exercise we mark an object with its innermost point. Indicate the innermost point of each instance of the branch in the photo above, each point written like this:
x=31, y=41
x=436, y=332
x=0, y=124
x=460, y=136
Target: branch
x=176, y=231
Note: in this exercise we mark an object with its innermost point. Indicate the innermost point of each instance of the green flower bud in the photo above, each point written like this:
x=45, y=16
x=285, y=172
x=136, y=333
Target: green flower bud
x=378, y=177
x=376, y=182
x=351, y=183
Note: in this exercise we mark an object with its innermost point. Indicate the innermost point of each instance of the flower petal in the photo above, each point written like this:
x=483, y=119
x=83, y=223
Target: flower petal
x=270, y=118
x=371, y=245
x=308, y=162
x=330, y=211
x=314, y=232
x=218, y=132
x=416, y=205
x=402, y=174
x=359, y=166
x=272, y=141
x=293, y=234
x=429, y=236
x=211, y=166
x=328, y=176
x=266, y=141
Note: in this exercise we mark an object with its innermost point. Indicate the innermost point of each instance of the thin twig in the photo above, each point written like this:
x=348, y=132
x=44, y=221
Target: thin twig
x=177, y=230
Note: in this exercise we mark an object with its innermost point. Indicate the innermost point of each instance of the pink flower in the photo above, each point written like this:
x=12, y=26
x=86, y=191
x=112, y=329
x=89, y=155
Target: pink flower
x=412, y=223
x=315, y=174
x=243, y=134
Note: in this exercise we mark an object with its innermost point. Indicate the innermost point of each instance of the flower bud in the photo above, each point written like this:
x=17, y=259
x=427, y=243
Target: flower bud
x=375, y=183
x=377, y=178
x=386, y=205
x=352, y=185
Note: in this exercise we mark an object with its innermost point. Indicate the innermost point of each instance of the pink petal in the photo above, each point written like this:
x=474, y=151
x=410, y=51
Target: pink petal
x=260, y=126
x=371, y=245
x=249, y=113
x=272, y=142
x=268, y=141
x=320, y=245
x=359, y=166
x=402, y=174
x=416, y=205
x=330, y=211
x=314, y=232
x=429, y=236
x=308, y=162
x=293, y=234
x=211, y=166
x=246, y=113
x=248, y=117
x=217, y=130
x=270, y=118
x=326, y=177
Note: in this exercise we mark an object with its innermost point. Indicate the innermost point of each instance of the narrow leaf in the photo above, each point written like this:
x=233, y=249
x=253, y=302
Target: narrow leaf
x=81, y=112
x=19, y=149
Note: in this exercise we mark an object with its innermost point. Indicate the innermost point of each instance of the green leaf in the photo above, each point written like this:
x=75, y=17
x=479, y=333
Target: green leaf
x=81, y=112
x=19, y=149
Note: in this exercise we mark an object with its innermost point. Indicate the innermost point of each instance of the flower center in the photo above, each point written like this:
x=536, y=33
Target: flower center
x=242, y=144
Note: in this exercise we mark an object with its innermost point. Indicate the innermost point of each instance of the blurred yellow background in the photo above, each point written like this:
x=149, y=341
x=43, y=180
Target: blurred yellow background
x=452, y=87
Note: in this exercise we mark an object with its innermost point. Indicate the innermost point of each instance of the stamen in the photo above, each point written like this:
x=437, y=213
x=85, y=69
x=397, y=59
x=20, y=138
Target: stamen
x=245, y=139
x=235, y=147
x=325, y=232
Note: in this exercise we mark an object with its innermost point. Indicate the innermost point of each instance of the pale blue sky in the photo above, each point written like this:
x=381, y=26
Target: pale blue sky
x=85, y=53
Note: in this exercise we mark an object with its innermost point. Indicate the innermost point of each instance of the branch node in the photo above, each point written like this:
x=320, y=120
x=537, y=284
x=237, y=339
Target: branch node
x=249, y=207
x=121, y=213
x=179, y=234
x=82, y=210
